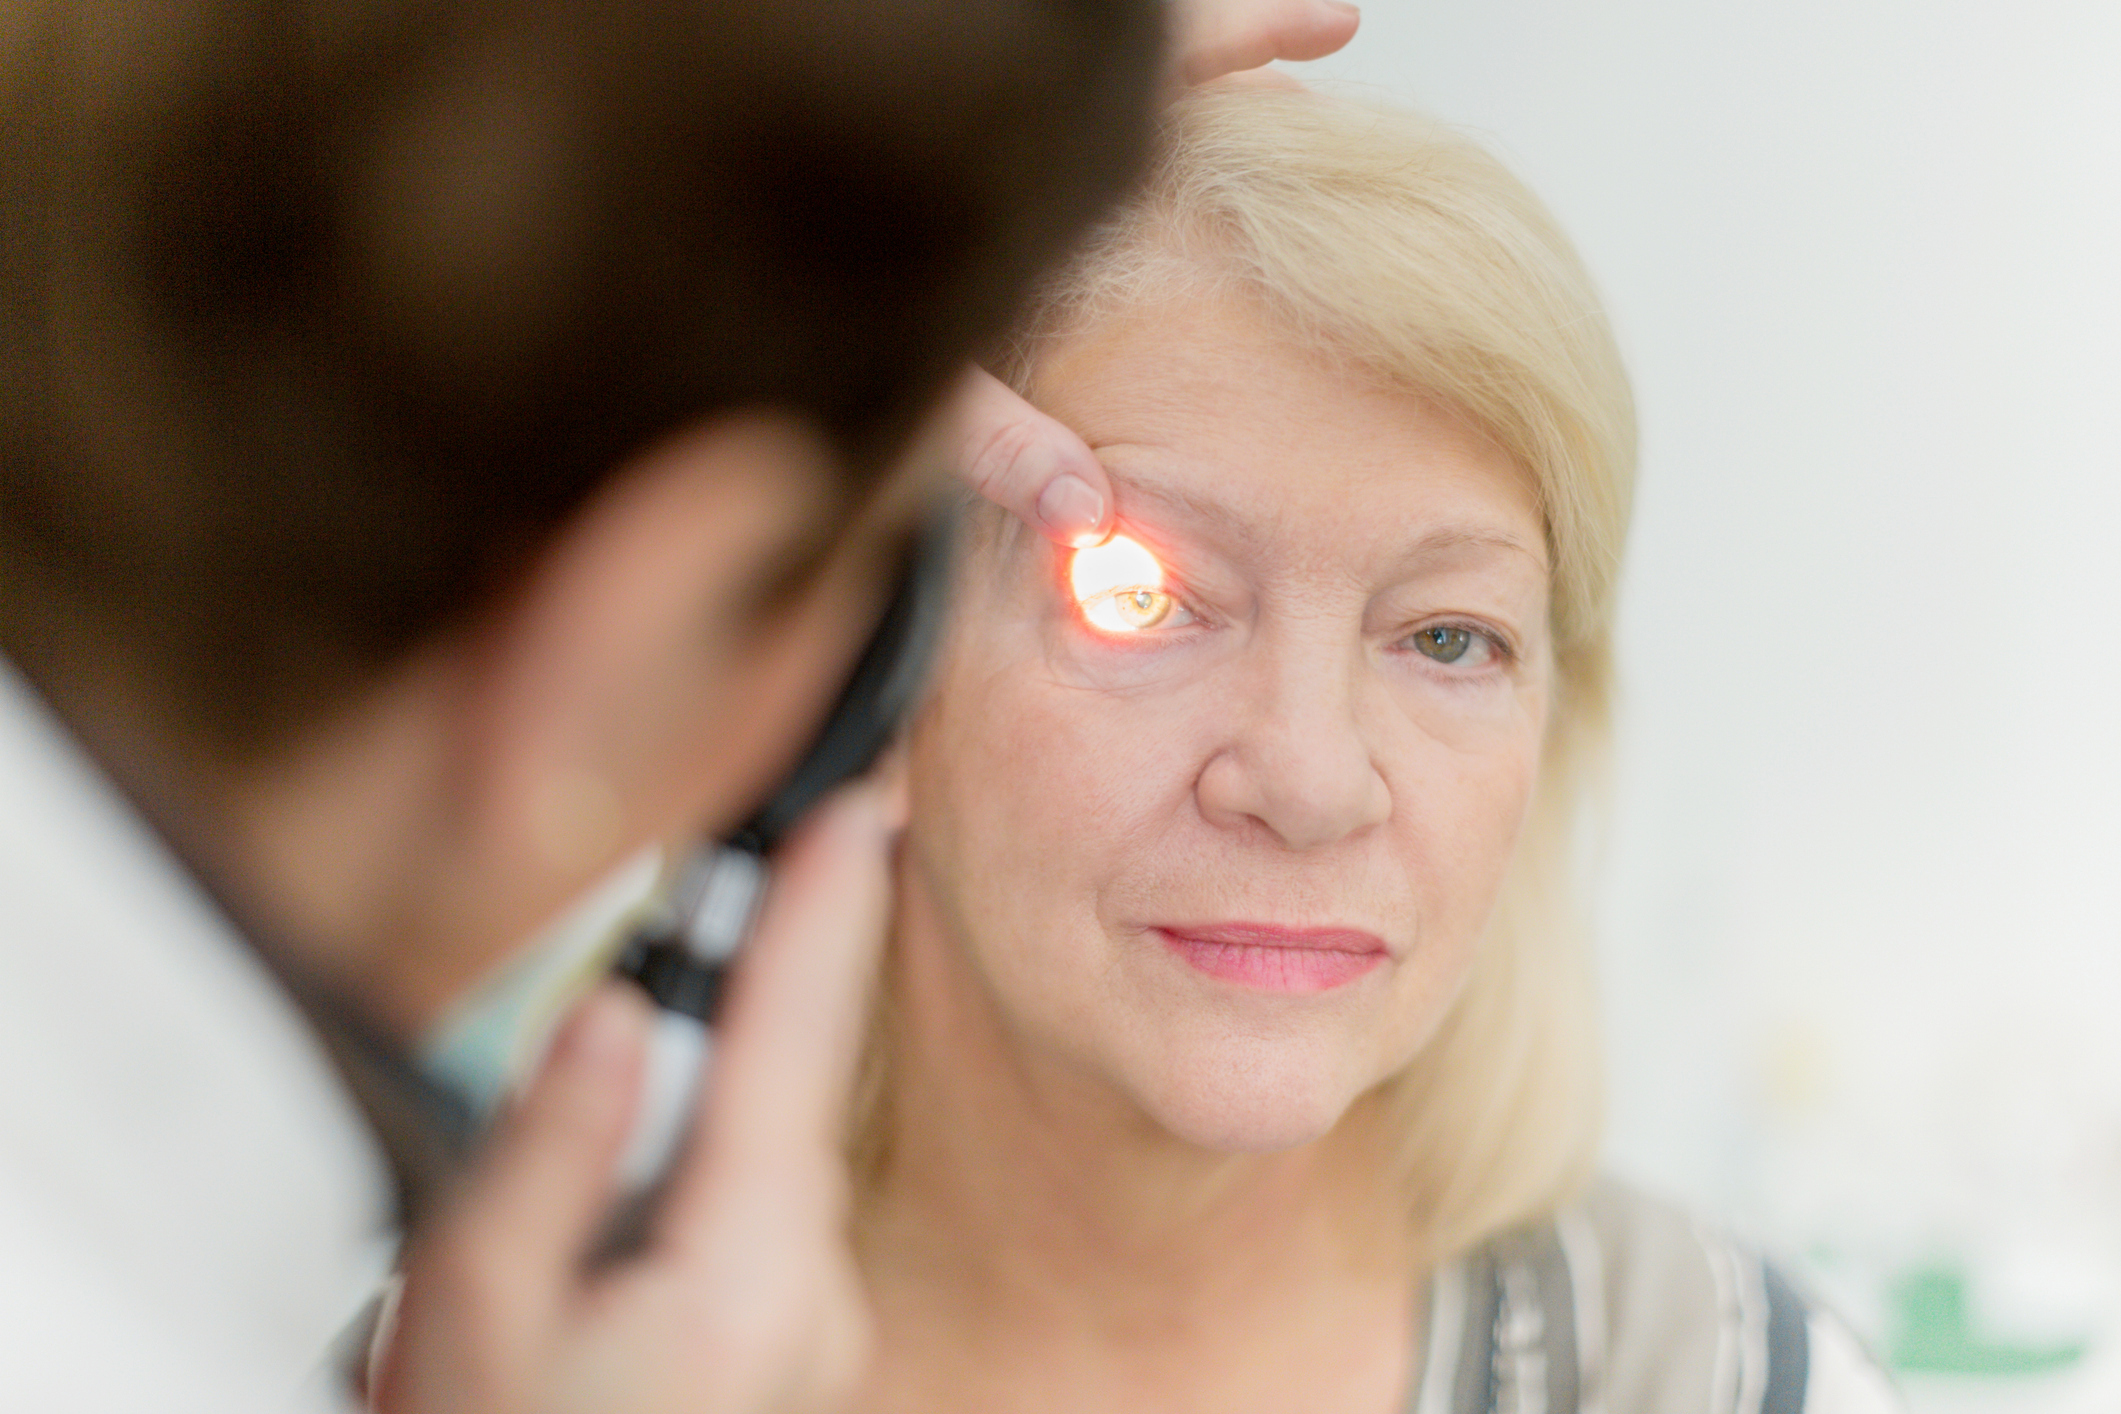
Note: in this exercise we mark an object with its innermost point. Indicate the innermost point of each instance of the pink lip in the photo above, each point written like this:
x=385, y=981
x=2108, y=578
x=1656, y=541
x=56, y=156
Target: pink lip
x=1274, y=959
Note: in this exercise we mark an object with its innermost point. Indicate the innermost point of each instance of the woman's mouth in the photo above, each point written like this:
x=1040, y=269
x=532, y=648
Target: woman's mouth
x=1269, y=958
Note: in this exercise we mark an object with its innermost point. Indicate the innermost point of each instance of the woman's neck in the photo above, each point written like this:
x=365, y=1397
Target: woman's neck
x=1035, y=1241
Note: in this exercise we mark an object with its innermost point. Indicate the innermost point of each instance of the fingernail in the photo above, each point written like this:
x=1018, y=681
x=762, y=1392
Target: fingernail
x=1071, y=508
x=1344, y=8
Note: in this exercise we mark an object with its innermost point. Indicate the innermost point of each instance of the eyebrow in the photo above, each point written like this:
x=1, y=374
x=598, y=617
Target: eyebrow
x=1455, y=537
x=1190, y=504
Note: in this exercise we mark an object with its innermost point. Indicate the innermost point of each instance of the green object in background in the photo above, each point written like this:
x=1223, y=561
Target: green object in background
x=1937, y=1336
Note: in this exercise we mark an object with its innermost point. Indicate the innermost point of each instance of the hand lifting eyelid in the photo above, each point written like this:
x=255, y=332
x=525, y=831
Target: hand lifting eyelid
x=1119, y=586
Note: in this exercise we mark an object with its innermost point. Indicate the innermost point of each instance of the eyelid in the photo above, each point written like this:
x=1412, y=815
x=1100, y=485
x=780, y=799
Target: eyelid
x=1121, y=612
x=1505, y=648
x=1102, y=579
x=1121, y=562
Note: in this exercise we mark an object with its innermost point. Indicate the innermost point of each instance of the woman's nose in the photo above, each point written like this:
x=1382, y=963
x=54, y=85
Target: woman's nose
x=1299, y=761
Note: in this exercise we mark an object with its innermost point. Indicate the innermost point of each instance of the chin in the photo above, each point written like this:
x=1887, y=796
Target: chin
x=1248, y=1098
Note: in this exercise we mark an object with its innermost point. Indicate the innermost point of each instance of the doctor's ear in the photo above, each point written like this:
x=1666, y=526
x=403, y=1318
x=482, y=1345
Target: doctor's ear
x=665, y=657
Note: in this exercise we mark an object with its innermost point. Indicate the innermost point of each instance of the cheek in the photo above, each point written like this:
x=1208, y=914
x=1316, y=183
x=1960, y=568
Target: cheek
x=1472, y=805
x=1039, y=809
x=1466, y=759
x=1026, y=785
x=1454, y=844
x=1463, y=815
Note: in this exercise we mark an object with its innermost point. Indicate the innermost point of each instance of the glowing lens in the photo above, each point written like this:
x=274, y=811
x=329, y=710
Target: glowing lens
x=1119, y=586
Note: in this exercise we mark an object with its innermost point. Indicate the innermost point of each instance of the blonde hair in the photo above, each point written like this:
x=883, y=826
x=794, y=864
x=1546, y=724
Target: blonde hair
x=1387, y=238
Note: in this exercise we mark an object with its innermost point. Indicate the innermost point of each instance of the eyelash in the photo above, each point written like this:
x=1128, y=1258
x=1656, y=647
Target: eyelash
x=1503, y=651
x=1162, y=627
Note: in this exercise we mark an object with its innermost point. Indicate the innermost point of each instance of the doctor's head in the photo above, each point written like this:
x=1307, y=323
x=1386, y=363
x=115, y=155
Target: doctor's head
x=1258, y=817
x=447, y=447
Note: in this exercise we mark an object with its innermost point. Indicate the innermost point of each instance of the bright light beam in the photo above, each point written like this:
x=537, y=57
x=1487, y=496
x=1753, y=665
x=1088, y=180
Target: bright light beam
x=1119, y=586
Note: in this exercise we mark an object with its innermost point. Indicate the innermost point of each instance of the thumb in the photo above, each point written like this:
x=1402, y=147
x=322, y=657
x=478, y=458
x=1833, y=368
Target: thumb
x=1025, y=462
x=544, y=1185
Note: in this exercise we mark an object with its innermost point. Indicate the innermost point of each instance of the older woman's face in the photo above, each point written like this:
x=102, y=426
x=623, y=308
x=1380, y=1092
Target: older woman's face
x=1235, y=864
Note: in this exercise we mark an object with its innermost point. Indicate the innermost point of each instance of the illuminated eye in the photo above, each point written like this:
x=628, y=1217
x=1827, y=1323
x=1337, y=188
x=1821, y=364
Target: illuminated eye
x=1128, y=610
x=1119, y=586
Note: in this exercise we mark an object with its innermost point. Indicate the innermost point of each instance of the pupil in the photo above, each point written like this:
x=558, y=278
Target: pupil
x=1142, y=608
x=1446, y=645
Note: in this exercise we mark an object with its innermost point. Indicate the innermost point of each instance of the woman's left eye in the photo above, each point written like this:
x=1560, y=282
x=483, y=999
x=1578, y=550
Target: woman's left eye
x=1454, y=644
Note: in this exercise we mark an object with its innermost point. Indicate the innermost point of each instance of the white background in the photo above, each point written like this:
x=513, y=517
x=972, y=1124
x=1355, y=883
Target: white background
x=1862, y=914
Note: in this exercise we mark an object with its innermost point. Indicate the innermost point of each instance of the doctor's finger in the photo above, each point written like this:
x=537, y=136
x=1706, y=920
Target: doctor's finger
x=789, y=1041
x=542, y=1189
x=1217, y=37
x=1025, y=462
x=487, y=1283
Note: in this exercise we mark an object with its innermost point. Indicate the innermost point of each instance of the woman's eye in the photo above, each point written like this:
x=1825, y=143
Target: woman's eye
x=1119, y=587
x=1128, y=610
x=1448, y=643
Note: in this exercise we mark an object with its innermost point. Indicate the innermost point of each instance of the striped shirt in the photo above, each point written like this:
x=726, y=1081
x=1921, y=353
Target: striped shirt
x=1621, y=1304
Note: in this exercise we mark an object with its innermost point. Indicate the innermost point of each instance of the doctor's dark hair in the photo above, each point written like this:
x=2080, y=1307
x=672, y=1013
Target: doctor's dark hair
x=317, y=320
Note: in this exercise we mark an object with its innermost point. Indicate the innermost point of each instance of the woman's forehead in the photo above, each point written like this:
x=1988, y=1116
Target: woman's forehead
x=1231, y=437
x=1217, y=423
x=1455, y=494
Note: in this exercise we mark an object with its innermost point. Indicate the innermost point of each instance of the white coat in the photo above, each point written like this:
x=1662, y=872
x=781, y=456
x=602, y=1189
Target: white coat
x=191, y=1207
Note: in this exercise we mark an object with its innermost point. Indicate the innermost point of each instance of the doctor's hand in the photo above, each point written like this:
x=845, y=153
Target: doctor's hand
x=1217, y=37
x=746, y=1298
x=1008, y=450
